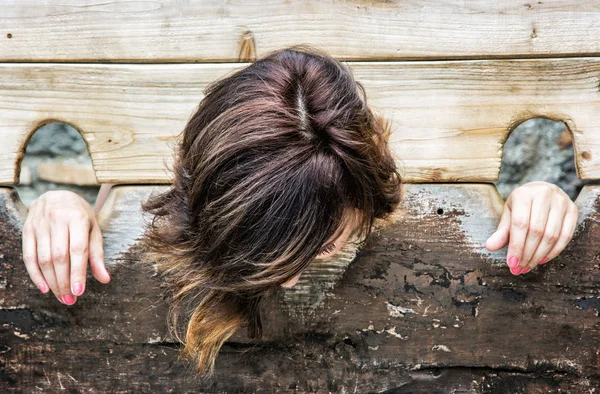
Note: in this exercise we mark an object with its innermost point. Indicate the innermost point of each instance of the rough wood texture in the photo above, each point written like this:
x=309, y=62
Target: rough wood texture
x=421, y=309
x=449, y=119
x=192, y=31
x=66, y=172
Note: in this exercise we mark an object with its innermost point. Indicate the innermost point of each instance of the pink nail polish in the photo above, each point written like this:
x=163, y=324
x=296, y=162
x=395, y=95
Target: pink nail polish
x=77, y=288
x=43, y=288
x=526, y=270
x=544, y=260
x=513, y=262
x=68, y=299
x=515, y=270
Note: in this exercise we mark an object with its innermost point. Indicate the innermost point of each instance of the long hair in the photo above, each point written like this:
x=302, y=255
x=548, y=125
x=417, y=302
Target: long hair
x=266, y=171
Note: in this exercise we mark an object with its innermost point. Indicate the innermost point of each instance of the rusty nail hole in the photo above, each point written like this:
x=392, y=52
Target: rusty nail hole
x=440, y=211
x=586, y=155
x=9, y=35
x=109, y=141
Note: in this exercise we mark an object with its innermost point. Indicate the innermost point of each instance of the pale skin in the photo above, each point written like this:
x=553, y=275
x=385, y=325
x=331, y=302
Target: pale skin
x=61, y=237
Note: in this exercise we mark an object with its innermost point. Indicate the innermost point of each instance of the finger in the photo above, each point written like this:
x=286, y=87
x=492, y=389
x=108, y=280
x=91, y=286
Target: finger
x=30, y=258
x=97, y=256
x=44, y=256
x=519, y=223
x=59, y=239
x=551, y=235
x=540, y=208
x=566, y=234
x=499, y=238
x=79, y=232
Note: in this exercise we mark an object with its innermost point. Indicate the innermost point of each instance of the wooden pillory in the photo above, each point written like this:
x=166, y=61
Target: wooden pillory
x=423, y=307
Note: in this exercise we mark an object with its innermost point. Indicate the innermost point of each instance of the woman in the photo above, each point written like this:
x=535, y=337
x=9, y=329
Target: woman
x=281, y=164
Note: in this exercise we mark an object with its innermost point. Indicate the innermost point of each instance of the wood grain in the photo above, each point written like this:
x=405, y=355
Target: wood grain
x=66, y=172
x=449, y=119
x=207, y=30
x=422, y=306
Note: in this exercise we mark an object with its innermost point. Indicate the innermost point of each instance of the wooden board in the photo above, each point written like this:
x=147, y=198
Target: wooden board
x=449, y=119
x=422, y=307
x=207, y=30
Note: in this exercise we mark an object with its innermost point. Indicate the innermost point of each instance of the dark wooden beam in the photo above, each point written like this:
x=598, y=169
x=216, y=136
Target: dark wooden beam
x=422, y=308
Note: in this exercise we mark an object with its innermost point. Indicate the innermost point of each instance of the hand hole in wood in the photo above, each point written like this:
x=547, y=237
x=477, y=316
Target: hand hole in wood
x=541, y=149
x=56, y=158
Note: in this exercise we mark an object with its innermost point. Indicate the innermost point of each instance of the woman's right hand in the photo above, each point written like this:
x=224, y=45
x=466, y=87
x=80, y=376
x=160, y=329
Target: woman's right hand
x=59, y=236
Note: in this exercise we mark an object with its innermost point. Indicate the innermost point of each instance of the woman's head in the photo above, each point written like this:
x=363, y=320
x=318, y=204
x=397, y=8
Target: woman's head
x=282, y=158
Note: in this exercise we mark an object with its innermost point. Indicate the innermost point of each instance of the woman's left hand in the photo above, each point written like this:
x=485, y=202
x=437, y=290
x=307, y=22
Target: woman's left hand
x=537, y=223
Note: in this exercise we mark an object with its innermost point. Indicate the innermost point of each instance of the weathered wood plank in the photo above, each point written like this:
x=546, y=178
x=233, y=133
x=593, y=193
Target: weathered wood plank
x=192, y=31
x=449, y=119
x=129, y=307
x=67, y=173
x=308, y=367
x=131, y=300
x=420, y=305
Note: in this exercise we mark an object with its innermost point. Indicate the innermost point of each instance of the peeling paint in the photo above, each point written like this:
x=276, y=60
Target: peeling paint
x=21, y=335
x=442, y=348
x=155, y=339
x=398, y=311
x=392, y=331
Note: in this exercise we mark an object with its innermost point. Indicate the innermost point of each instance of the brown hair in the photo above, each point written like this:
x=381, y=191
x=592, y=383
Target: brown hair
x=265, y=172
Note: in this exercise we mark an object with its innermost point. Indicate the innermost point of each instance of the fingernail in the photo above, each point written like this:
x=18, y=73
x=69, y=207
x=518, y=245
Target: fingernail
x=515, y=270
x=77, y=288
x=526, y=270
x=43, y=288
x=513, y=262
x=68, y=299
x=544, y=260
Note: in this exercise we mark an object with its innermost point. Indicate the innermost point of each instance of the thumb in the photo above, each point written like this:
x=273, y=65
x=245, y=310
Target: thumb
x=499, y=238
x=96, y=254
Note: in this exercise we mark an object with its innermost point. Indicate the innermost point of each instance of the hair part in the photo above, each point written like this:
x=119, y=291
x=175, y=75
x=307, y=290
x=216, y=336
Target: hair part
x=265, y=171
